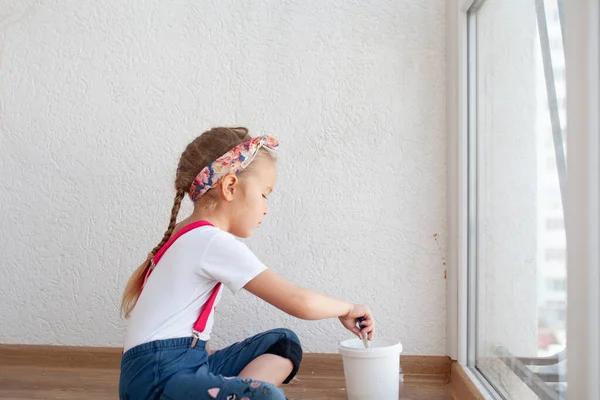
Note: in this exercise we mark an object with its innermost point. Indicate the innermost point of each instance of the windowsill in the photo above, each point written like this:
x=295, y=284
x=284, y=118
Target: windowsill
x=486, y=390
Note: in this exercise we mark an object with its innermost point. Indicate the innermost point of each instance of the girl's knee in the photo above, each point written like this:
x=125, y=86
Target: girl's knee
x=288, y=346
x=288, y=334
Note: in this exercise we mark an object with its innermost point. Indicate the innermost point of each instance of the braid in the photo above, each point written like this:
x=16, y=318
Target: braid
x=179, y=195
x=134, y=286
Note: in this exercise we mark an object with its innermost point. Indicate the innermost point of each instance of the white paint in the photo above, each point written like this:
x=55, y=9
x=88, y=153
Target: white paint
x=99, y=99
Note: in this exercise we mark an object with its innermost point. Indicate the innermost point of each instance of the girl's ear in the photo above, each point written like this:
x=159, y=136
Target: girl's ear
x=229, y=186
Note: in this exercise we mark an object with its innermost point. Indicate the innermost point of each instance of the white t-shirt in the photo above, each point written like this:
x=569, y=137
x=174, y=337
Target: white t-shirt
x=184, y=279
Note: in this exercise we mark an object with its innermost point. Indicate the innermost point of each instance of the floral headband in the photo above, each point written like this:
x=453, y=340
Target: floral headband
x=232, y=162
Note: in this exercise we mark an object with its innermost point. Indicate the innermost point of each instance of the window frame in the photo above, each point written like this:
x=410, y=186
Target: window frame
x=582, y=52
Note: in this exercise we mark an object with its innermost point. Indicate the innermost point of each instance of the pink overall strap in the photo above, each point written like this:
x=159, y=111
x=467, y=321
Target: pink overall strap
x=200, y=323
x=203, y=318
x=161, y=252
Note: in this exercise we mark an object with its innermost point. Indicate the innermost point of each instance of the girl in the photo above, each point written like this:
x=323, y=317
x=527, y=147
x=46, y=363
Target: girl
x=170, y=298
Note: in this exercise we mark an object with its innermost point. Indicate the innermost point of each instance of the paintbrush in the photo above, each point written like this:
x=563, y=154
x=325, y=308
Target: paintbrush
x=365, y=336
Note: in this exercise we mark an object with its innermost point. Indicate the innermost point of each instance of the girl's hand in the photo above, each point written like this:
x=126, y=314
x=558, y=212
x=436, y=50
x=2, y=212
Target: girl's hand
x=350, y=321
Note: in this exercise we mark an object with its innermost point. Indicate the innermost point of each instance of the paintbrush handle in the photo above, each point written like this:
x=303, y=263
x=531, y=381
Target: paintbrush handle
x=365, y=337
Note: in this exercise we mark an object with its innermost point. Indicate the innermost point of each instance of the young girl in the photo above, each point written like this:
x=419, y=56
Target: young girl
x=170, y=298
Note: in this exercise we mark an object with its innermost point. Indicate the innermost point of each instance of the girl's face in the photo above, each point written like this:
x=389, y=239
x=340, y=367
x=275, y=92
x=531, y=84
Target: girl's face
x=252, y=205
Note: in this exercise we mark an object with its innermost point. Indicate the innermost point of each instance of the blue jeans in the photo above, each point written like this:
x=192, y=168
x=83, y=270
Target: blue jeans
x=173, y=370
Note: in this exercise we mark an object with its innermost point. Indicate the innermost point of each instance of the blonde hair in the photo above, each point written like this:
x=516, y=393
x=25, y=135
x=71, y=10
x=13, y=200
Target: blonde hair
x=198, y=154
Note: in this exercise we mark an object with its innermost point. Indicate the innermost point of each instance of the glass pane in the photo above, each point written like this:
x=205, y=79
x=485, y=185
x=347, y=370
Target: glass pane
x=519, y=255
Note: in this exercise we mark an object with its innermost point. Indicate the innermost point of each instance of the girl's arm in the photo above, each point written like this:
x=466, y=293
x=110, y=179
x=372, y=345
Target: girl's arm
x=308, y=304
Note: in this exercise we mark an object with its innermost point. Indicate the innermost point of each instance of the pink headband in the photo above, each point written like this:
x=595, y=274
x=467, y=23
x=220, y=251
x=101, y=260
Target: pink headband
x=232, y=162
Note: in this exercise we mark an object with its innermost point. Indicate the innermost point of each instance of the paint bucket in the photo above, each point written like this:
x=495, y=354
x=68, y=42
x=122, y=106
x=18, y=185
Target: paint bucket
x=373, y=373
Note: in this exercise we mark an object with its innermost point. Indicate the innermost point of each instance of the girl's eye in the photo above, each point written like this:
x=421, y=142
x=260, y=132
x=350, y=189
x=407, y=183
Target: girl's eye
x=264, y=197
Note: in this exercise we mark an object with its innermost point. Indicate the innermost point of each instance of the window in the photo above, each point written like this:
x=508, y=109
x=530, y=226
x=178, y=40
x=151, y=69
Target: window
x=516, y=187
x=555, y=224
x=555, y=255
x=554, y=16
x=559, y=285
x=559, y=73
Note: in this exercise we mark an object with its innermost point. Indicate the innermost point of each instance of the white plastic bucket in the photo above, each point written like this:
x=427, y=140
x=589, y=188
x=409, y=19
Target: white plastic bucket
x=373, y=373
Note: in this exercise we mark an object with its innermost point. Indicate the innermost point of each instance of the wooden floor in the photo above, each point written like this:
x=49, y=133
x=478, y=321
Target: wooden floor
x=69, y=373
x=27, y=382
x=326, y=388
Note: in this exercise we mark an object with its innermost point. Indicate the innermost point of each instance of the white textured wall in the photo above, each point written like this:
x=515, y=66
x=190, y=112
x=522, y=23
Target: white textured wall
x=98, y=99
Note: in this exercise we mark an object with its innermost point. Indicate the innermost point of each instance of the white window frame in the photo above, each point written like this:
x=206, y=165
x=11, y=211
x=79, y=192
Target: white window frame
x=582, y=54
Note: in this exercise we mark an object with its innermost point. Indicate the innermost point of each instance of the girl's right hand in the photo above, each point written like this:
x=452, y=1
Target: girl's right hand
x=350, y=321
